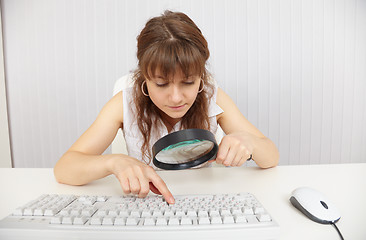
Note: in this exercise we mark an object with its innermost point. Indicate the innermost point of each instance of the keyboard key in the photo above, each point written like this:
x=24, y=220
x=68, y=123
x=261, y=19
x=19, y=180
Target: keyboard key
x=248, y=210
x=90, y=200
x=115, y=200
x=75, y=212
x=202, y=213
x=124, y=213
x=80, y=220
x=225, y=211
x=38, y=212
x=102, y=212
x=216, y=220
x=161, y=222
x=191, y=213
x=135, y=213
x=186, y=221
x=179, y=213
x=102, y=198
x=146, y=213
x=88, y=212
x=119, y=221
x=258, y=210
x=131, y=221
x=96, y=221
x=235, y=211
x=67, y=220
x=149, y=222
x=214, y=212
x=28, y=212
x=18, y=212
x=56, y=220
x=204, y=220
x=168, y=213
x=251, y=219
x=227, y=219
x=240, y=219
x=264, y=218
x=50, y=211
x=157, y=213
x=115, y=213
x=173, y=221
x=108, y=221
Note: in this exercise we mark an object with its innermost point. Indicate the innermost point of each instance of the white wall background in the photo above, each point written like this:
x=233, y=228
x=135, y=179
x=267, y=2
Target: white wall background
x=5, y=154
x=296, y=69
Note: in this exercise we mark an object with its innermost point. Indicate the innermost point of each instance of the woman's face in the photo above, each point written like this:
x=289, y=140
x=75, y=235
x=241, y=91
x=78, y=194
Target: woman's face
x=173, y=96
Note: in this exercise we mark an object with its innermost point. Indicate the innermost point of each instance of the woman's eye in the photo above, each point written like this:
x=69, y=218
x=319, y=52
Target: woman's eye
x=161, y=84
x=189, y=83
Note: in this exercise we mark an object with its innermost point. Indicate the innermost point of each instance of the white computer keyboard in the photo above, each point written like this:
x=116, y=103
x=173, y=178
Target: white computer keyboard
x=216, y=216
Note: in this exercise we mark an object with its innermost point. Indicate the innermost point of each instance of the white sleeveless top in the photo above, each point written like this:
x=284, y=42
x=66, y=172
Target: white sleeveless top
x=133, y=136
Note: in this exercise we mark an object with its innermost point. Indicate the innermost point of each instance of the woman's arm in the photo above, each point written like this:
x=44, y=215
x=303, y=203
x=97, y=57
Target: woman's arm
x=83, y=162
x=242, y=138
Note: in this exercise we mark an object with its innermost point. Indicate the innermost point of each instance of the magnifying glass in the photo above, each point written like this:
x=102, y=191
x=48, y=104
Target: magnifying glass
x=184, y=149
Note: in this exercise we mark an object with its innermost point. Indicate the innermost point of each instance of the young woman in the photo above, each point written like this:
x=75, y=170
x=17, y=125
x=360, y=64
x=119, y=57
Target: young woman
x=172, y=90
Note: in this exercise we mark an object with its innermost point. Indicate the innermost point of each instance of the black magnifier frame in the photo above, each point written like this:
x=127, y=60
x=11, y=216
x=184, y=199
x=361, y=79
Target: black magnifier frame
x=181, y=136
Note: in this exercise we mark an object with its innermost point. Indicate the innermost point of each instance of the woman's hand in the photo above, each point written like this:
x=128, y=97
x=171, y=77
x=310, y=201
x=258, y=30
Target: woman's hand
x=138, y=178
x=235, y=149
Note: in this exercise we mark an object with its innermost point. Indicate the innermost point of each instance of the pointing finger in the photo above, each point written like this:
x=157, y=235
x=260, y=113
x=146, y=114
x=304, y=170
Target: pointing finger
x=162, y=188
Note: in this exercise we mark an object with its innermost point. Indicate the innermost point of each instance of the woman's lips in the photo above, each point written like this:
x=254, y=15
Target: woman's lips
x=177, y=107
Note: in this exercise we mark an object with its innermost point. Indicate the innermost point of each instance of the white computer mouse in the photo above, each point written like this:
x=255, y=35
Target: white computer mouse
x=315, y=205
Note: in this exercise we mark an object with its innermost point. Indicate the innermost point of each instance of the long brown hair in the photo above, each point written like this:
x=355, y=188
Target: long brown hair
x=169, y=43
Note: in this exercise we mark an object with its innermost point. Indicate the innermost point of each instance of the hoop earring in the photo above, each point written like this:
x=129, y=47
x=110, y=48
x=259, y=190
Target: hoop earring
x=203, y=86
x=142, y=89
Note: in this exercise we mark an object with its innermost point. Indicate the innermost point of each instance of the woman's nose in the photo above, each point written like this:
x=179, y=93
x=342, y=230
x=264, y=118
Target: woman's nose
x=176, y=94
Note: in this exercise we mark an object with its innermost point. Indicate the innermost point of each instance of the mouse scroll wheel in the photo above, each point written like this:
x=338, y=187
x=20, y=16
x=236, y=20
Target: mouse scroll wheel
x=324, y=204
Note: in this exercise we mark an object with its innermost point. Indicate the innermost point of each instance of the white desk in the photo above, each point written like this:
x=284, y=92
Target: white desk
x=345, y=184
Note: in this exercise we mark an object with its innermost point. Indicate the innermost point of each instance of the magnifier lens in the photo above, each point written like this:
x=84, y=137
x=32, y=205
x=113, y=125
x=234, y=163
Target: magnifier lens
x=185, y=151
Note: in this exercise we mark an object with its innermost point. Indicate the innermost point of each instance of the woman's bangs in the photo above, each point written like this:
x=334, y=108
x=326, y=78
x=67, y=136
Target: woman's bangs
x=170, y=57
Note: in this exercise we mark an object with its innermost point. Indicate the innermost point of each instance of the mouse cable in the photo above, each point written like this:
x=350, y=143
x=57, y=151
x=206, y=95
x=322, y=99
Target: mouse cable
x=339, y=232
